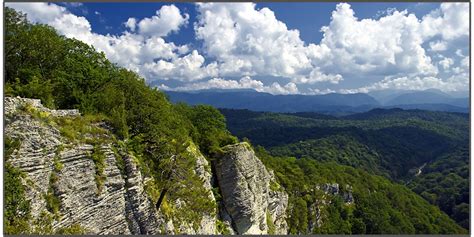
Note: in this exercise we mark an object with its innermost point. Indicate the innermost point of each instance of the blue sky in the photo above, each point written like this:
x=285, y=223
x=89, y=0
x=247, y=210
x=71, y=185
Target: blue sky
x=280, y=48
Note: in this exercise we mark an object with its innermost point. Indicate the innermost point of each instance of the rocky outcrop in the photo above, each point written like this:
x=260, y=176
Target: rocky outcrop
x=90, y=180
x=59, y=169
x=248, y=200
x=139, y=209
x=329, y=190
x=79, y=196
x=203, y=170
x=64, y=171
x=277, y=206
x=333, y=189
x=12, y=105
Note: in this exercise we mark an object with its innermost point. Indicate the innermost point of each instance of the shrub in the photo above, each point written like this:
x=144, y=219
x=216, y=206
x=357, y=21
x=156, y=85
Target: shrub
x=16, y=207
x=99, y=160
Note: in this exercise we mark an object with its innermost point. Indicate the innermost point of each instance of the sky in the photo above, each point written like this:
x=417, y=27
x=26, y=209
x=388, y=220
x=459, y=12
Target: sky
x=279, y=48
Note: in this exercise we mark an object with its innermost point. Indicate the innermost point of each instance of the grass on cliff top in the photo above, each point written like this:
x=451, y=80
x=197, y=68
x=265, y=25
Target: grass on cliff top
x=28, y=108
x=74, y=128
x=83, y=129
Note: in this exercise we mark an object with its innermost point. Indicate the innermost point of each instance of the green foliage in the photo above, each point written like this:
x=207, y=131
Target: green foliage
x=210, y=128
x=35, y=113
x=391, y=143
x=274, y=186
x=53, y=204
x=74, y=229
x=118, y=158
x=99, y=161
x=34, y=88
x=339, y=218
x=184, y=184
x=222, y=228
x=298, y=216
x=16, y=211
x=57, y=164
x=342, y=149
x=270, y=224
x=445, y=183
x=11, y=144
x=217, y=194
x=43, y=224
x=381, y=207
x=81, y=128
x=381, y=145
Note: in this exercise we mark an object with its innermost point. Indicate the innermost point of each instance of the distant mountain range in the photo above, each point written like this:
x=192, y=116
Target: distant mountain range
x=427, y=97
x=333, y=103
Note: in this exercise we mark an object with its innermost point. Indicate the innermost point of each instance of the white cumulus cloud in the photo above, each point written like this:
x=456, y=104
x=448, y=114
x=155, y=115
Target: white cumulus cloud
x=167, y=19
x=388, y=45
x=249, y=41
x=244, y=83
x=438, y=45
x=450, y=21
x=131, y=23
x=446, y=63
x=397, y=49
x=145, y=51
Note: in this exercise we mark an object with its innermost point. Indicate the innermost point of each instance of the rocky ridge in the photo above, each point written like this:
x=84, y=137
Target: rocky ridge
x=249, y=202
x=100, y=187
x=316, y=209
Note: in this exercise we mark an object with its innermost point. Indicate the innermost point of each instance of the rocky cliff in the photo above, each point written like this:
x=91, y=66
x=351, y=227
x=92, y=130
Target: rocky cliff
x=79, y=175
x=249, y=202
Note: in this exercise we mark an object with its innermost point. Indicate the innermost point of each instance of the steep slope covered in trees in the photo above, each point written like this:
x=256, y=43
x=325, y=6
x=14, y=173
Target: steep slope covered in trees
x=327, y=198
x=393, y=143
x=445, y=183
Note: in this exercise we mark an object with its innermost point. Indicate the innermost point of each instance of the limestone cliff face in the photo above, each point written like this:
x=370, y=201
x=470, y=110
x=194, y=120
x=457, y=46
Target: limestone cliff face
x=248, y=201
x=109, y=195
x=64, y=170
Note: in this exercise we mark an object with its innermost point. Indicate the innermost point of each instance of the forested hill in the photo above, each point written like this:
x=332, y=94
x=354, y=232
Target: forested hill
x=169, y=168
x=425, y=149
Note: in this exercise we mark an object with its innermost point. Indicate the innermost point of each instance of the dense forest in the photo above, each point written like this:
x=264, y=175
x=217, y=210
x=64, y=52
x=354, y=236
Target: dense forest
x=66, y=73
x=381, y=206
x=445, y=183
x=423, y=150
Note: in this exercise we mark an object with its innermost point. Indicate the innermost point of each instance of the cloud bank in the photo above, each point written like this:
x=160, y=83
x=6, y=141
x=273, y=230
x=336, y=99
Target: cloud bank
x=398, y=50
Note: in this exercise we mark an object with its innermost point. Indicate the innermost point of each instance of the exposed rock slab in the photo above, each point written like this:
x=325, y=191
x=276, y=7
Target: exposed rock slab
x=245, y=185
x=41, y=146
x=120, y=205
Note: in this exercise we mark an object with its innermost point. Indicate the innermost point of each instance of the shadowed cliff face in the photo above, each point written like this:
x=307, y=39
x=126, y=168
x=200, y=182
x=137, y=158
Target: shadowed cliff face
x=77, y=174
